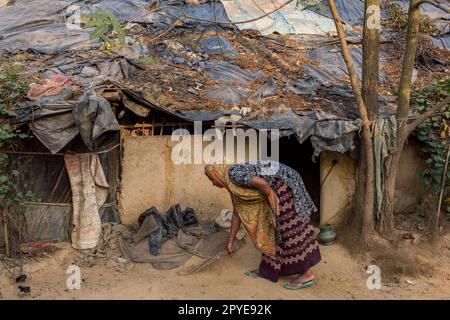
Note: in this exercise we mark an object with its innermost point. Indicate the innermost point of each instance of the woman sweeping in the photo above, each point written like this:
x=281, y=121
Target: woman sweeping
x=274, y=209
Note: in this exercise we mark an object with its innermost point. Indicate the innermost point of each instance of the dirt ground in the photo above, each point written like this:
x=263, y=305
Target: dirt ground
x=339, y=276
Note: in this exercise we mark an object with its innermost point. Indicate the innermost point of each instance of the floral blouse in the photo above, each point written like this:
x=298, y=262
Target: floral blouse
x=241, y=174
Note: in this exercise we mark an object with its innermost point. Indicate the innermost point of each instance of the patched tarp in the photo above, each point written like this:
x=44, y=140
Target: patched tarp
x=326, y=131
x=350, y=11
x=56, y=124
x=39, y=25
x=191, y=14
x=50, y=26
x=331, y=65
x=217, y=45
x=291, y=19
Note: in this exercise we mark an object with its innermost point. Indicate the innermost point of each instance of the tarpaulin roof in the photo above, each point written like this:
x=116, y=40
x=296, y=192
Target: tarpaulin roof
x=297, y=84
x=290, y=19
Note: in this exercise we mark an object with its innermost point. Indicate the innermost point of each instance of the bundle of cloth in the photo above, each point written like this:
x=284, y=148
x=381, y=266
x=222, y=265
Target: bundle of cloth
x=169, y=240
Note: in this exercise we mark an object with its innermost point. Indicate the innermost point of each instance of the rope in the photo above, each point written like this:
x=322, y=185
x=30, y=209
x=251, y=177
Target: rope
x=106, y=205
x=59, y=154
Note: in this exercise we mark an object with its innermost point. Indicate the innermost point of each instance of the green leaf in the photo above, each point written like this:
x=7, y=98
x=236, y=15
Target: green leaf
x=99, y=31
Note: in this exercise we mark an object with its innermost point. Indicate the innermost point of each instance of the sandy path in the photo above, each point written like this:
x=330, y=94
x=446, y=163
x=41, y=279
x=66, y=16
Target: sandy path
x=339, y=276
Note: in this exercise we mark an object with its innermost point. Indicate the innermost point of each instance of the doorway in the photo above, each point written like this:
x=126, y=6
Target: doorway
x=299, y=157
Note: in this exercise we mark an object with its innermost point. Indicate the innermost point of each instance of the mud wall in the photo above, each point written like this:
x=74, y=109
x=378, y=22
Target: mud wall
x=150, y=178
x=336, y=197
x=338, y=190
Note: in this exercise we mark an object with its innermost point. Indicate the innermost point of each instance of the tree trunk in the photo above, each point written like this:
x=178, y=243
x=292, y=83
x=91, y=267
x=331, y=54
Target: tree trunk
x=386, y=220
x=371, y=50
x=363, y=222
x=369, y=92
x=369, y=190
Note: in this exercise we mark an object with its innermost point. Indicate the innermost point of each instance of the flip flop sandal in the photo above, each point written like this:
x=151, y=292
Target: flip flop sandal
x=252, y=274
x=297, y=284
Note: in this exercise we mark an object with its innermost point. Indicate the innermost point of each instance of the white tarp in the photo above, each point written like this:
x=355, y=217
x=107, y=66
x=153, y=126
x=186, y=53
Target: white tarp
x=288, y=20
x=89, y=192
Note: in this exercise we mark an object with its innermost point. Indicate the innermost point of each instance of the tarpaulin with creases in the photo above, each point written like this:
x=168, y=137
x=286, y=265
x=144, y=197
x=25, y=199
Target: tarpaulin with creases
x=291, y=19
x=89, y=191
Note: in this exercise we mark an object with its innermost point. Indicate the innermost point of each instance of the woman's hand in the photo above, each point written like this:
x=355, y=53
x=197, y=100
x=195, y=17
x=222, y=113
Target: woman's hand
x=230, y=246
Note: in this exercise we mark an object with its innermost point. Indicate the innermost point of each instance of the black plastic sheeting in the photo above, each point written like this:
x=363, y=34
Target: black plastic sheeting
x=352, y=13
x=205, y=11
x=233, y=81
x=56, y=126
x=40, y=25
x=217, y=45
x=225, y=72
x=228, y=94
x=267, y=89
x=332, y=66
x=95, y=119
x=327, y=131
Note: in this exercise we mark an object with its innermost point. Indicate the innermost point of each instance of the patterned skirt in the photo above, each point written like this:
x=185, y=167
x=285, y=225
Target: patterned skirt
x=299, y=250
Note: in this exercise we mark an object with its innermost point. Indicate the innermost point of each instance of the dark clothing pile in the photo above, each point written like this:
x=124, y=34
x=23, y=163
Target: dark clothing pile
x=165, y=226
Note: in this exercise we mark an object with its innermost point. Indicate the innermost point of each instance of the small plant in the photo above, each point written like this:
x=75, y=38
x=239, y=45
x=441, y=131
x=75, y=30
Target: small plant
x=435, y=134
x=13, y=88
x=105, y=24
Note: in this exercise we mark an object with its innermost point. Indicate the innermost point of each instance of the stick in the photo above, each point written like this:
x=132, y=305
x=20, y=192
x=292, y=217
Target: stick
x=444, y=178
x=5, y=234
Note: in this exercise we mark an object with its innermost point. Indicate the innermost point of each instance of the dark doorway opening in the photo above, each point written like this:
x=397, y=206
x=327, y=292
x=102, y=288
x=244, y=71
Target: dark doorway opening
x=299, y=157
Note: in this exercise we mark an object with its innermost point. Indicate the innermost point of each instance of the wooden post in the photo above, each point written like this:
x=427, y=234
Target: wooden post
x=6, y=234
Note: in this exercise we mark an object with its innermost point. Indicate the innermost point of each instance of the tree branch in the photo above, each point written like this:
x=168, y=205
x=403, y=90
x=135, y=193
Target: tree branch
x=434, y=3
x=369, y=191
x=409, y=59
x=189, y=17
x=413, y=125
x=349, y=61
